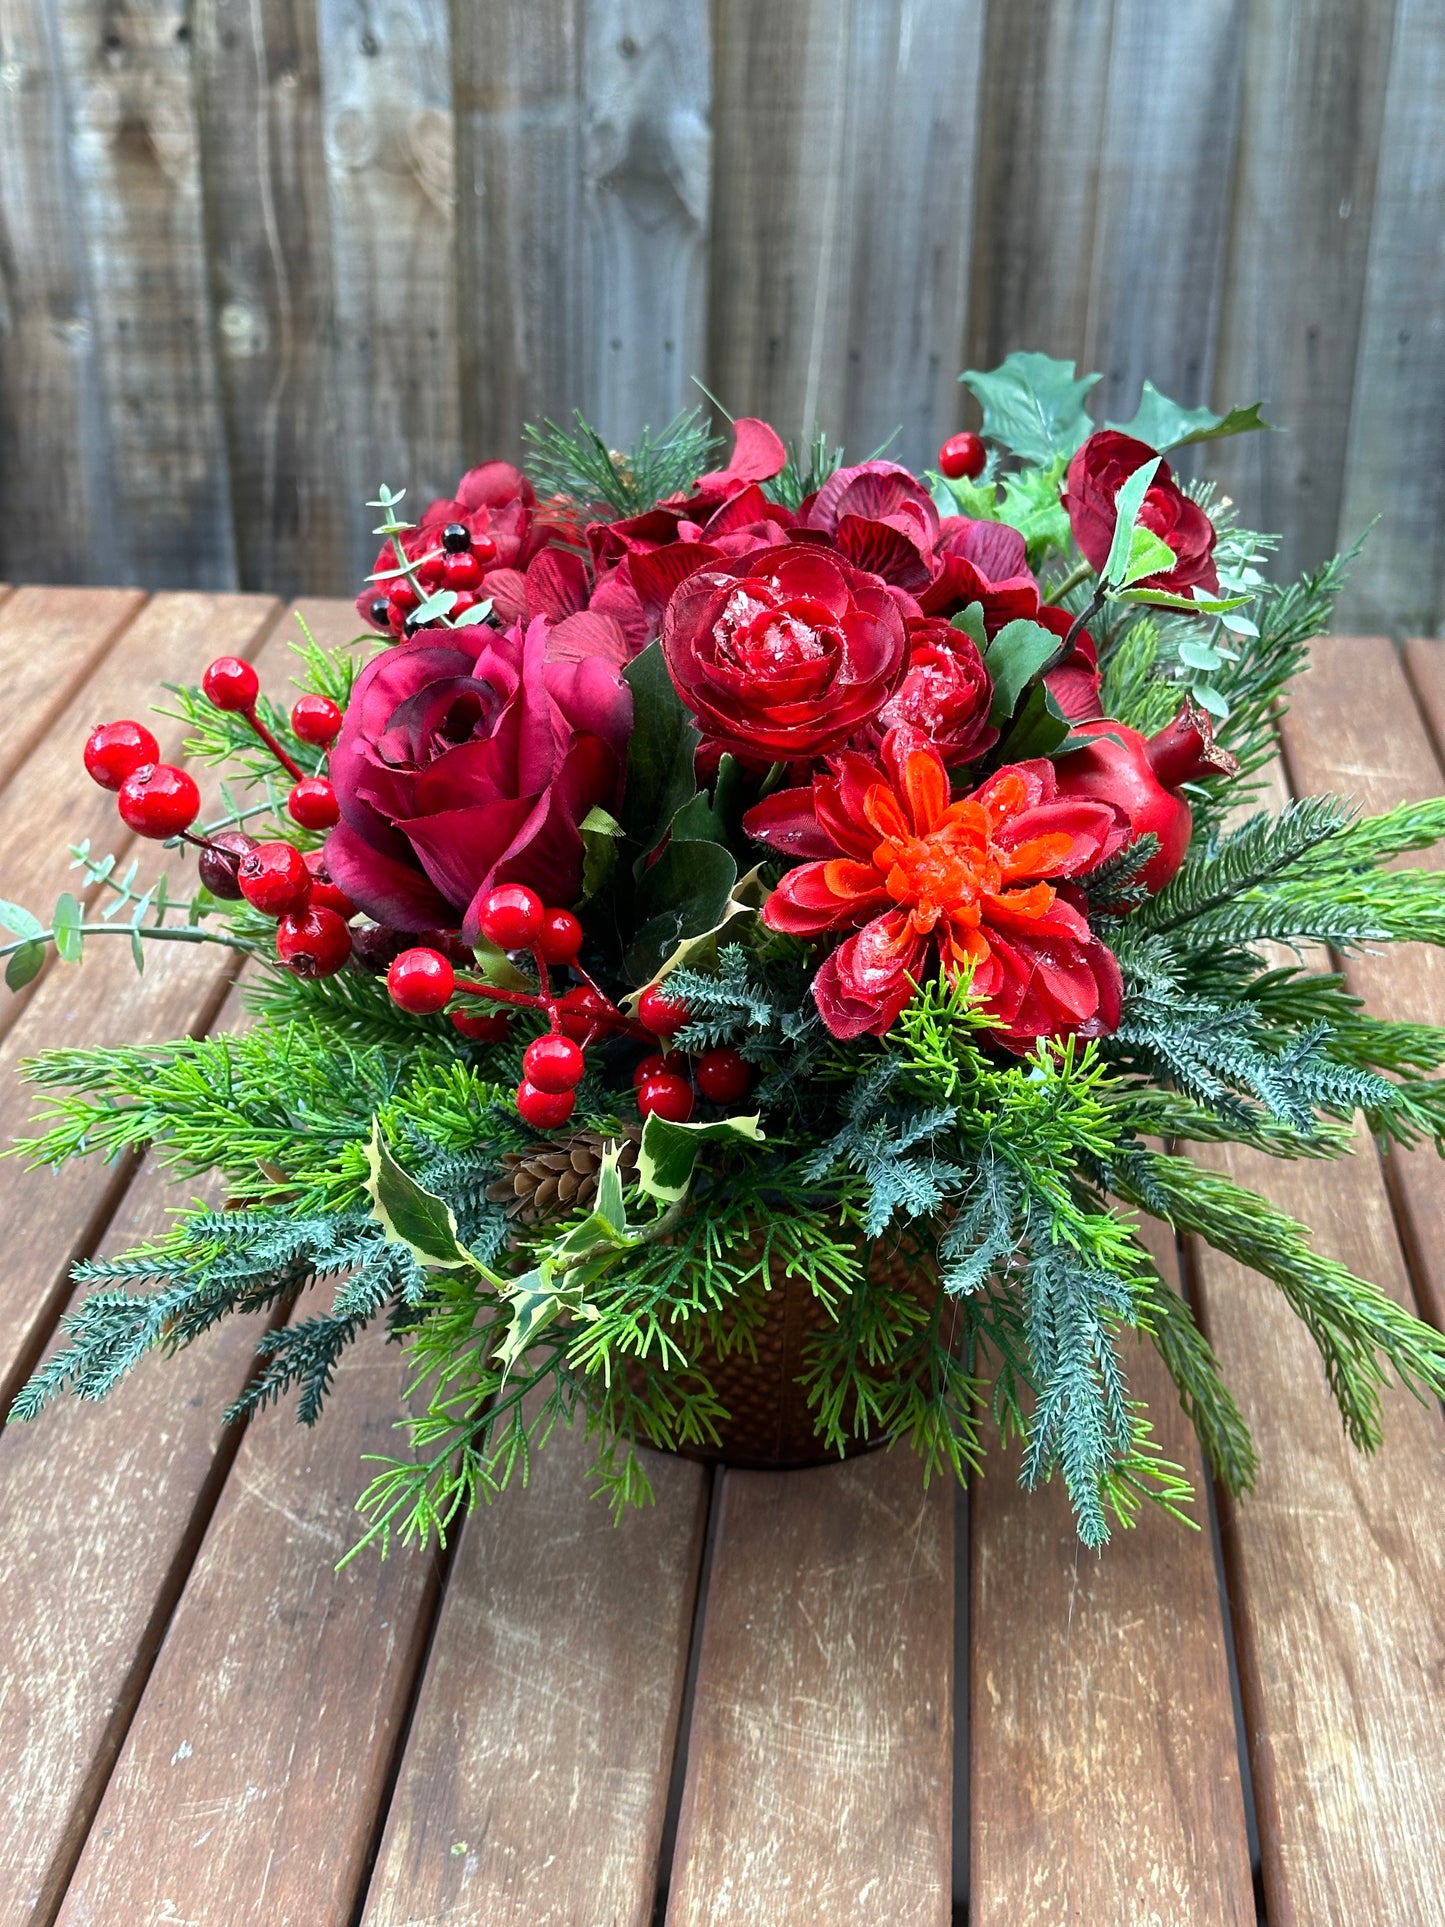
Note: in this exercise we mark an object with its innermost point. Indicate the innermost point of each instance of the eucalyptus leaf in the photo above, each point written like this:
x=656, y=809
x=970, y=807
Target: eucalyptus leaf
x=19, y=921
x=668, y=1153
x=24, y=963
x=478, y=612
x=66, y=925
x=1015, y=656
x=1033, y=405
x=1166, y=424
x=411, y=1215
x=440, y=603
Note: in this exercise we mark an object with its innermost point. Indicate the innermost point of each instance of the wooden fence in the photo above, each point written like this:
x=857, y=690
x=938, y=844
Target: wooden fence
x=258, y=255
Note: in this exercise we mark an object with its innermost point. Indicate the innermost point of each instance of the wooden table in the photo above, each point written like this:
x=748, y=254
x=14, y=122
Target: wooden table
x=825, y=1697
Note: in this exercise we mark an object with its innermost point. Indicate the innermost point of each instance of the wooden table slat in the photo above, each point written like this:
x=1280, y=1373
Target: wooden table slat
x=1104, y=1775
x=534, y=1786
x=820, y=1757
x=51, y=640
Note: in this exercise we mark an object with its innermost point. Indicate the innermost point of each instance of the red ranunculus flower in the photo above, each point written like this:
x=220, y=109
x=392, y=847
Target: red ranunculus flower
x=1095, y=475
x=946, y=694
x=881, y=517
x=917, y=875
x=469, y=758
x=783, y=654
x=495, y=500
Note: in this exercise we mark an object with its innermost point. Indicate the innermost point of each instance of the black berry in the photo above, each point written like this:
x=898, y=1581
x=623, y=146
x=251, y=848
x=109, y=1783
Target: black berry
x=456, y=538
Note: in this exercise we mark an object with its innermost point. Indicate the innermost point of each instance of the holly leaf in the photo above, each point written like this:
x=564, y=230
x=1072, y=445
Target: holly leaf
x=1033, y=405
x=600, y=833
x=1166, y=424
x=667, y=1156
x=1015, y=656
x=536, y=1300
x=25, y=963
x=685, y=893
x=960, y=496
x=660, y=754
x=748, y=897
x=19, y=921
x=411, y=1215
x=1031, y=504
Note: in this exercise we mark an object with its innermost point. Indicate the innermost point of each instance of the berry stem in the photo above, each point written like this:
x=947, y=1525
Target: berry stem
x=609, y=1019
x=292, y=768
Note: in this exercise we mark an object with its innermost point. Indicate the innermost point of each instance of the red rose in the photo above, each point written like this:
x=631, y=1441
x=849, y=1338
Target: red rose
x=494, y=500
x=946, y=694
x=924, y=880
x=783, y=654
x=467, y=759
x=1096, y=473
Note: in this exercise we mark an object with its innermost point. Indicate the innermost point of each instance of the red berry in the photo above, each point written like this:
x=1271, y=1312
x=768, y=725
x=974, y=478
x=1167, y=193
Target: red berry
x=723, y=1075
x=663, y=1015
x=231, y=684
x=483, y=1026
x=512, y=916
x=665, y=1095
x=315, y=719
x=560, y=937
x=216, y=865
x=961, y=455
x=403, y=598
x=313, y=941
x=672, y=1060
x=421, y=981
x=484, y=548
x=465, y=600
x=115, y=750
x=312, y=803
x=553, y=1063
x=574, y=1007
x=274, y=878
x=158, y=800
x=325, y=894
x=544, y=1110
x=461, y=571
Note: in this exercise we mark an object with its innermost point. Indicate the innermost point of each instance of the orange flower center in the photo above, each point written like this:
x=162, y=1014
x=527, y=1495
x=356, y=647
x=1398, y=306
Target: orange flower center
x=946, y=873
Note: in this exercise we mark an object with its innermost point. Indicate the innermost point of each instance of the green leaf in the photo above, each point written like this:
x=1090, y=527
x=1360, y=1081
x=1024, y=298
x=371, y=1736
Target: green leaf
x=600, y=832
x=1149, y=554
x=1033, y=405
x=24, y=964
x=1199, y=655
x=440, y=603
x=668, y=1153
x=496, y=968
x=535, y=1303
x=977, y=500
x=1166, y=599
x=19, y=921
x=1040, y=728
x=605, y=1227
x=970, y=620
x=68, y=940
x=137, y=953
x=411, y=1215
x=748, y=897
x=1015, y=656
x=478, y=612
x=1031, y=504
x=1127, y=503
x=685, y=893
x=1166, y=424
x=697, y=821
x=660, y=775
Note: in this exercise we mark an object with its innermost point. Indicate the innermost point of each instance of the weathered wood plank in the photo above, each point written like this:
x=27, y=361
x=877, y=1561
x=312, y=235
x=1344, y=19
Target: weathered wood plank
x=1395, y=460
x=1353, y=728
x=50, y=641
x=535, y=1779
x=268, y=239
x=386, y=97
x=819, y=1768
x=841, y=216
x=1163, y=194
x=137, y=209
x=248, y=1784
x=1104, y=1775
x=1309, y=136
x=56, y=508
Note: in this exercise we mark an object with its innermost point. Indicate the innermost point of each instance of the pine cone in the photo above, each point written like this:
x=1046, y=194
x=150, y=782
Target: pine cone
x=553, y=1179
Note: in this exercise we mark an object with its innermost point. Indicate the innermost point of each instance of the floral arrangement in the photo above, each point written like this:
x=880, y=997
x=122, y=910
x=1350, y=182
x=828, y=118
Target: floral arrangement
x=792, y=891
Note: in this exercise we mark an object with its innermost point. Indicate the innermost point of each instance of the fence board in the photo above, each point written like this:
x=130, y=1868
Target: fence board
x=1313, y=102
x=387, y=100
x=268, y=238
x=841, y=223
x=137, y=208
x=1395, y=460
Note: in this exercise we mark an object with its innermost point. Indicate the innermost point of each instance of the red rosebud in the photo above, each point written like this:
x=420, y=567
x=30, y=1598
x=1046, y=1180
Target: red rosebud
x=785, y=653
x=1097, y=472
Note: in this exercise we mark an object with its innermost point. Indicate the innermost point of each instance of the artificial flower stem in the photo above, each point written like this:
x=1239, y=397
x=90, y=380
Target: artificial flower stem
x=292, y=768
x=1070, y=581
x=610, y=1019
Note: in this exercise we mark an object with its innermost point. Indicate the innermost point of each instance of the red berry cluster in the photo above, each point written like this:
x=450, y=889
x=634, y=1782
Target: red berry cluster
x=513, y=918
x=156, y=799
x=458, y=563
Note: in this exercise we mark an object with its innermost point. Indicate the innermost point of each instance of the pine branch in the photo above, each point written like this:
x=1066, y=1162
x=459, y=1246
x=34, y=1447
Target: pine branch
x=576, y=464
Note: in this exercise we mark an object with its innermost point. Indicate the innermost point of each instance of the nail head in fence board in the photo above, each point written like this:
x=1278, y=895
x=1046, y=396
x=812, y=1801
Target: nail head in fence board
x=646, y=84
x=841, y=216
x=1353, y=728
x=1312, y=108
x=248, y=1784
x=536, y=1772
x=268, y=238
x=820, y=1759
x=387, y=99
x=138, y=210
x=1104, y=1776
x=1336, y=1571
x=56, y=509
x=1040, y=146
x=82, y=1588
x=50, y=641
x=1395, y=465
